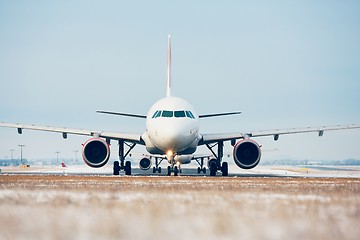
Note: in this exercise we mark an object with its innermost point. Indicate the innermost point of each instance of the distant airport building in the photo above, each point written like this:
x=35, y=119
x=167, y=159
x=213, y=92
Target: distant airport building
x=9, y=162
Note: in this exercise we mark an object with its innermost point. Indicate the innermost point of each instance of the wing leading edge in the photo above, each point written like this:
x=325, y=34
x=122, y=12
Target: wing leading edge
x=211, y=138
x=135, y=138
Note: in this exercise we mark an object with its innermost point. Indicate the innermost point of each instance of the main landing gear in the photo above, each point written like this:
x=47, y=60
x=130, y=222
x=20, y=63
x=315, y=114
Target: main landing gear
x=157, y=163
x=213, y=167
x=122, y=165
x=126, y=168
x=224, y=168
x=201, y=167
x=216, y=163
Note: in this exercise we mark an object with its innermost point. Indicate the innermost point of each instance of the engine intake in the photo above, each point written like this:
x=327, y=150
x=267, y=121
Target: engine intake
x=145, y=163
x=247, y=154
x=96, y=152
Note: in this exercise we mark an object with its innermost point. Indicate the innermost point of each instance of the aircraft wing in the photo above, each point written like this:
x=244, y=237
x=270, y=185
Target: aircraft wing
x=211, y=138
x=136, y=138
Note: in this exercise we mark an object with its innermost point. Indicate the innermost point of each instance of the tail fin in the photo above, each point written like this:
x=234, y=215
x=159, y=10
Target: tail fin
x=168, y=75
x=63, y=164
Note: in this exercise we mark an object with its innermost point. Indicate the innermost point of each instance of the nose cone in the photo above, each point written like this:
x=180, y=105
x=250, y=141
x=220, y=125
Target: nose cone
x=175, y=137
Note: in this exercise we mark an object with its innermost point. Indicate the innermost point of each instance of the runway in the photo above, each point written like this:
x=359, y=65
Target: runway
x=101, y=206
x=234, y=171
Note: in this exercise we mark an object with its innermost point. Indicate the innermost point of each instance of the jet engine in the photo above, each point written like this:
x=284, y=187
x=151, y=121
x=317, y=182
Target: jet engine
x=96, y=152
x=145, y=163
x=247, y=154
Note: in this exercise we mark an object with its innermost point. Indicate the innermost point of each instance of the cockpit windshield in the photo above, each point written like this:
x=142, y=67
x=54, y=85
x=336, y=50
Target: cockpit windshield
x=179, y=114
x=168, y=114
x=176, y=114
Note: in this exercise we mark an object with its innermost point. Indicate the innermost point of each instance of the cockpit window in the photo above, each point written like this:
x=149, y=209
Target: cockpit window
x=179, y=114
x=154, y=116
x=170, y=114
x=189, y=114
x=167, y=114
x=158, y=114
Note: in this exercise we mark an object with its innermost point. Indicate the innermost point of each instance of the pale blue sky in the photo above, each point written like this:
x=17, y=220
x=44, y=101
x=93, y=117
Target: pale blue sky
x=283, y=63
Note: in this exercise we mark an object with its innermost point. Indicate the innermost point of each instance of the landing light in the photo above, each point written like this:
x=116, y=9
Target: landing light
x=169, y=154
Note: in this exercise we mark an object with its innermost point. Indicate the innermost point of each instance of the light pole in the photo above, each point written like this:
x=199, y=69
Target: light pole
x=57, y=158
x=21, y=152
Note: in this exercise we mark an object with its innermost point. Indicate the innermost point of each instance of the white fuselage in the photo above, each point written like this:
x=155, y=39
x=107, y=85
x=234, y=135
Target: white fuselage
x=172, y=129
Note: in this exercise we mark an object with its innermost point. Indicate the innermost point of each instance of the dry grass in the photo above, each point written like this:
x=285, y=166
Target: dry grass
x=107, y=207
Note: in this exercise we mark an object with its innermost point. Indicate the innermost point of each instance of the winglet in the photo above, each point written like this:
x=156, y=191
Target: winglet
x=168, y=75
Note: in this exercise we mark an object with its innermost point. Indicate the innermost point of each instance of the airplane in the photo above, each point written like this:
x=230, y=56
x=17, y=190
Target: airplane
x=173, y=134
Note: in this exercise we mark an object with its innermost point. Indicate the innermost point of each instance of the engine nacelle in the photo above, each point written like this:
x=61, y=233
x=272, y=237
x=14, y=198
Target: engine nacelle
x=247, y=154
x=96, y=152
x=145, y=163
x=211, y=162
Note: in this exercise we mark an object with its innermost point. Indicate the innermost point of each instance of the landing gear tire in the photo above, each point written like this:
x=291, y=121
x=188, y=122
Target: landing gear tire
x=225, y=169
x=176, y=171
x=200, y=170
x=156, y=169
x=127, y=168
x=213, y=169
x=116, y=168
x=169, y=171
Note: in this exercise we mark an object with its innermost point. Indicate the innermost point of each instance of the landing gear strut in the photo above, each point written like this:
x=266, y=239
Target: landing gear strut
x=201, y=167
x=218, y=165
x=157, y=163
x=122, y=165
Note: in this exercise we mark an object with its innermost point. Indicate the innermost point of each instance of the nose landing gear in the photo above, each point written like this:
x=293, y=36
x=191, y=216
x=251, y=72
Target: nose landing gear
x=173, y=169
